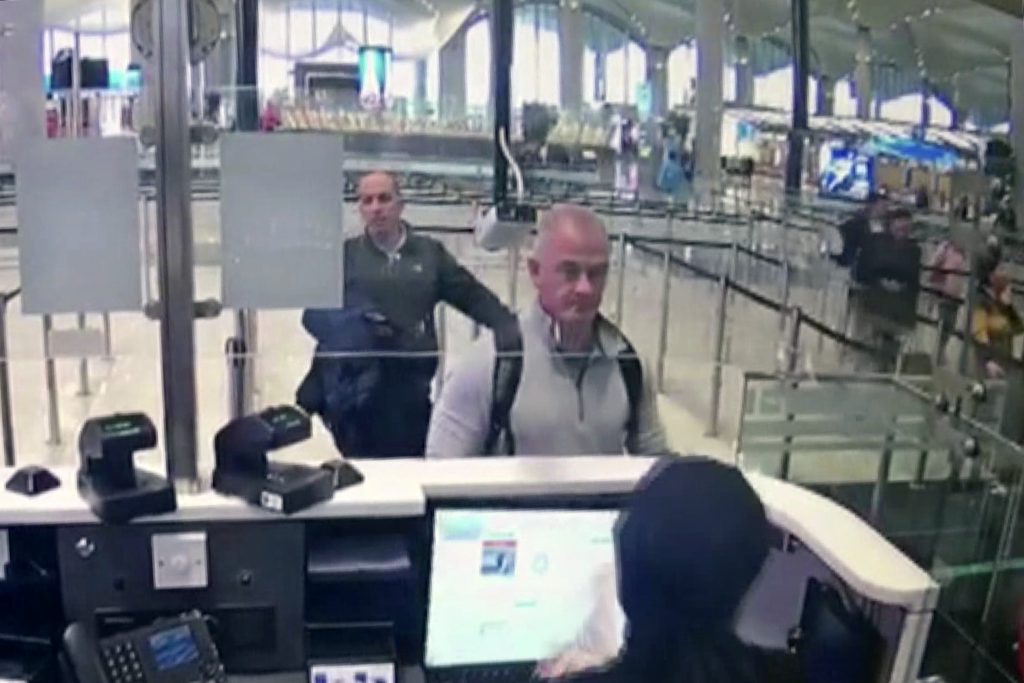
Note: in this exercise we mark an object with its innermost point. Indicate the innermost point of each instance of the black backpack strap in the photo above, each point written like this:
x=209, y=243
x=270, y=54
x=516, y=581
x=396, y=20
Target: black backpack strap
x=633, y=377
x=508, y=370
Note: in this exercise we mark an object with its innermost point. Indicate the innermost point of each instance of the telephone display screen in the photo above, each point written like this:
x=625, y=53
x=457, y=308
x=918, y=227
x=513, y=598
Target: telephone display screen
x=173, y=647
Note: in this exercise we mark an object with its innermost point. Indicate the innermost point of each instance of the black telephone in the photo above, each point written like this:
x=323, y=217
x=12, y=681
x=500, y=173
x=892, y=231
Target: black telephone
x=177, y=650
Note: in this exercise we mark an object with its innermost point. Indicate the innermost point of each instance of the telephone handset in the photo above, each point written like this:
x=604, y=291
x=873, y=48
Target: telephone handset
x=178, y=650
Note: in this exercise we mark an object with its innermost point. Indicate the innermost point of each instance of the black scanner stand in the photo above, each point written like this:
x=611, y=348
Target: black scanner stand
x=244, y=470
x=107, y=478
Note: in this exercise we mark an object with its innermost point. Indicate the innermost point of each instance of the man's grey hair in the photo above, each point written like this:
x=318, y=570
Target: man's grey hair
x=388, y=174
x=561, y=215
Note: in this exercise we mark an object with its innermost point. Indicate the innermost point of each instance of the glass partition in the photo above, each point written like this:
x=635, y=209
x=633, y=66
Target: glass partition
x=943, y=487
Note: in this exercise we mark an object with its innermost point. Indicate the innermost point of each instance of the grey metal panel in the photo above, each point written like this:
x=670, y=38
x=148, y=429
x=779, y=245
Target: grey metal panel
x=117, y=577
x=79, y=226
x=281, y=209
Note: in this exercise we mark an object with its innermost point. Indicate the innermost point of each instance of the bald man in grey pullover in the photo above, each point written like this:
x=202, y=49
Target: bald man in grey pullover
x=572, y=397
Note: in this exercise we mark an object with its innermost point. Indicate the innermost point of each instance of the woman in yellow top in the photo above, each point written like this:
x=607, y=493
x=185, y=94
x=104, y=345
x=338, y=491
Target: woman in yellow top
x=995, y=324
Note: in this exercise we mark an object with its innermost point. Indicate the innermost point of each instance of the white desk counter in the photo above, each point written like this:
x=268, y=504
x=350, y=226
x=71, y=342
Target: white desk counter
x=514, y=477
x=401, y=488
x=377, y=497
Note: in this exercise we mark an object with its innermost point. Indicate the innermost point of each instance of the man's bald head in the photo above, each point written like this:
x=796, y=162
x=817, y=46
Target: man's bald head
x=380, y=205
x=569, y=264
x=377, y=179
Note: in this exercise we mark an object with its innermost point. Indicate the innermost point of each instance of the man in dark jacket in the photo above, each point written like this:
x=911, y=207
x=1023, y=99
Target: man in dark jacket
x=856, y=229
x=396, y=278
x=887, y=278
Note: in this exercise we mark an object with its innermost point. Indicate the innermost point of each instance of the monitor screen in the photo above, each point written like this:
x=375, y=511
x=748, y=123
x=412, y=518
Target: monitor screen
x=173, y=648
x=512, y=586
x=846, y=172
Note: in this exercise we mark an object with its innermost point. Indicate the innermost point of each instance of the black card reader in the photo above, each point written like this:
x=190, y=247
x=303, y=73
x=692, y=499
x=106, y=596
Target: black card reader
x=107, y=478
x=244, y=470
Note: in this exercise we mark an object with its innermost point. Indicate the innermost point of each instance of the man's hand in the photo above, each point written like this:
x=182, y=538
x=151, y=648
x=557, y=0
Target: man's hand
x=569, y=662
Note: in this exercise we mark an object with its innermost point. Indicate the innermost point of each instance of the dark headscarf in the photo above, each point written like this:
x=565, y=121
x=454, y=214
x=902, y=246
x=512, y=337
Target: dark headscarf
x=689, y=546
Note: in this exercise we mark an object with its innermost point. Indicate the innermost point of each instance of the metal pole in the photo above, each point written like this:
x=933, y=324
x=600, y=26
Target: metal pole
x=83, y=364
x=884, y=465
x=502, y=36
x=971, y=303
x=53, y=407
x=734, y=255
x=718, y=349
x=784, y=288
x=108, y=346
x=800, y=15
x=231, y=351
x=6, y=420
x=790, y=355
x=751, y=227
x=666, y=284
x=513, y=277
x=76, y=86
x=620, y=281
x=146, y=266
x=174, y=231
x=442, y=344
x=244, y=342
x=252, y=360
x=823, y=292
x=240, y=363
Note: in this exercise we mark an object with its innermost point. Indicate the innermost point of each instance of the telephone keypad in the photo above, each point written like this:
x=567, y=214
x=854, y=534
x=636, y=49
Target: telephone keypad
x=122, y=663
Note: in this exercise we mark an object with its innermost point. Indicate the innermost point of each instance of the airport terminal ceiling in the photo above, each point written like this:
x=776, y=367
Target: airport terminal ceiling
x=962, y=47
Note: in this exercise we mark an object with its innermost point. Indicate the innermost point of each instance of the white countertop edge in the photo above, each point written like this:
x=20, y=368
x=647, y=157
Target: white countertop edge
x=402, y=488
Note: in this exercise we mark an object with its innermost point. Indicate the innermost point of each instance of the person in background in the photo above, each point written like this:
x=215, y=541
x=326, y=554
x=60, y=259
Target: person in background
x=994, y=325
x=689, y=547
x=887, y=279
x=854, y=230
x=378, y=404
x=573, y=385
x=946, y=263
x=270, y=117
x=921, y=198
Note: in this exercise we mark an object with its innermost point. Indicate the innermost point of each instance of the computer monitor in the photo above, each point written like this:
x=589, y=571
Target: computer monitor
x=517, y=586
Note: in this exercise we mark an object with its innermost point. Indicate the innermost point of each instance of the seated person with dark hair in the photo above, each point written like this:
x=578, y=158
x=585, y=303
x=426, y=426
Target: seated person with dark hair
x=689, y=548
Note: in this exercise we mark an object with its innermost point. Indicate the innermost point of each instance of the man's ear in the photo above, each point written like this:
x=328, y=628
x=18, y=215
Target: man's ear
x=533, y=267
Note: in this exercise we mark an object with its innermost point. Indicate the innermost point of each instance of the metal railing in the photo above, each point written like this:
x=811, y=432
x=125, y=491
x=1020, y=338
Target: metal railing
x=744, y=249
x=6, y=407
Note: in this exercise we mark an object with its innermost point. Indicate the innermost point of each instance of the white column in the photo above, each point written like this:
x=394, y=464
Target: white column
x=657, y=76
x=452, y=71
x=1017, y=116
x=22, y=95
x=708, y=145
x=570, y=56
x=862, y=73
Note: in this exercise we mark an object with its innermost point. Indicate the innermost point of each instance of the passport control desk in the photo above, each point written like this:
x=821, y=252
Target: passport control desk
x=351, y=576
